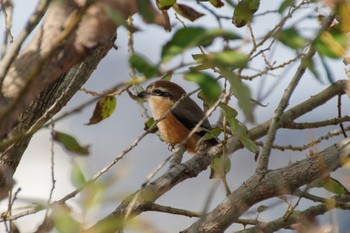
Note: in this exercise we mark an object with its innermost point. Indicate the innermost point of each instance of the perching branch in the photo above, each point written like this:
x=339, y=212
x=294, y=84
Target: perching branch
x=274, y=183
x=296, y=216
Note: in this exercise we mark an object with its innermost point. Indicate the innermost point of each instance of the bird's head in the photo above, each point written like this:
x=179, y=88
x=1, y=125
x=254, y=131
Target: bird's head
x=163, y=90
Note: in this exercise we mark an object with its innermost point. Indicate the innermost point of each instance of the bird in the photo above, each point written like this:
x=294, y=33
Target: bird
x=176, y=126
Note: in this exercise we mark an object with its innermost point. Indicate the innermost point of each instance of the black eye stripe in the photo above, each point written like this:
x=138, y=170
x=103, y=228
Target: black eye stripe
x=158, y=92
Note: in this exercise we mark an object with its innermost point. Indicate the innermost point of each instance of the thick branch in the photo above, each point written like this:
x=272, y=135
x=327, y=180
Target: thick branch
x=274, y=183
x=295, y=217
x=43, y=96
x=50, y=55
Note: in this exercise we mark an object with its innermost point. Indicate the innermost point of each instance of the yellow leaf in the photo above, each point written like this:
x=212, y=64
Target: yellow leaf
x=344, y=12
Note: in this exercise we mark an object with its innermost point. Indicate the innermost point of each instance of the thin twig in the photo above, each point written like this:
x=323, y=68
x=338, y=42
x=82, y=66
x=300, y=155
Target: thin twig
x=172, y=210
x=339, y=116
x=308, y=145
x=150, y=176
x=312, y=211
x=53, y=180
x=276, y=120
x=318, y=124
x=136, y=87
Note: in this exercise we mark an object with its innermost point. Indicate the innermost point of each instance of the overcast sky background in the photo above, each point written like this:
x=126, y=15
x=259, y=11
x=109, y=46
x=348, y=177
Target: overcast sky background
x=110, y=137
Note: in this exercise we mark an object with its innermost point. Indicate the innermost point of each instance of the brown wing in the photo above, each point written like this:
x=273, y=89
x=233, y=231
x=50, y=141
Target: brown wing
x=189, y=114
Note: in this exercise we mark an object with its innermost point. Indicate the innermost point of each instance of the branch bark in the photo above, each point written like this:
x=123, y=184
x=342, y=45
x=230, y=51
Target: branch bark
x=274, y=183
x=296, y=217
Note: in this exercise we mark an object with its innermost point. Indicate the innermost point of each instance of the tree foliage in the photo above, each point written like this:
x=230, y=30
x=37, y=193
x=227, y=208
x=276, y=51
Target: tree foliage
x=232, y=62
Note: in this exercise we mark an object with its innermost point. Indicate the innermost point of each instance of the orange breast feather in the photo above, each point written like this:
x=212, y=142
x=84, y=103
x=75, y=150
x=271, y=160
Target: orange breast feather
x=172, y=131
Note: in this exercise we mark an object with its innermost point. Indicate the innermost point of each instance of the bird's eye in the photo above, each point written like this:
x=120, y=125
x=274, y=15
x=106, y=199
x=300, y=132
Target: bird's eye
x=158, y=92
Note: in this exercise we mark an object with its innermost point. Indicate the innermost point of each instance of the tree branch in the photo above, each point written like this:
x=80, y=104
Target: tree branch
x=263, y=161
x=59, y=78
x=337, y=88
x=274, y=183
x=295, y=217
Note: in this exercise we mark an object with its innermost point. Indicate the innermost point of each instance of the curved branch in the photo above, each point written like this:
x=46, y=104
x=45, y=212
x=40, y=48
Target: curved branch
x=274, y=183
x=263, y=161
x=55, y=49
x=39, y=97
x=295, y=217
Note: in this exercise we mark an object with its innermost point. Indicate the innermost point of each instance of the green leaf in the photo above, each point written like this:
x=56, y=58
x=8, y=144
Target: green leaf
x=145, y=9
x=237, y=128
x=242, y=93
x=77, y=175
x=187, y=12
x=230, y=113
x=331, y=185
x=230, y=116
x=332, y=43
x=219, y=167
x=311, y=66
x=217, y=3
x=104, y=108
x=63, y=220
x=212, y=134
x=148, y=125
x=244, y=11
x=165, y=4
x=285, y=4
x=241, y=133
x=142, y=65
x=209, y=85
x=201, y=67
x=334, y=186
x=249, y=144
x=183, y=39
x=291, y=38
x=329, y=74
x=186, y=38
x=229, y=58
x=116, y=16
x=70, y=143
x=168, y=76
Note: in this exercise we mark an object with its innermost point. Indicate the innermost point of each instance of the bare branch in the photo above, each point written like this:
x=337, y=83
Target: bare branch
x=310, y=125
x=296, y=216
x=263, y=161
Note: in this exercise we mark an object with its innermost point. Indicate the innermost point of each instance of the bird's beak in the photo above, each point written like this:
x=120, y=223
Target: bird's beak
x=142, y=94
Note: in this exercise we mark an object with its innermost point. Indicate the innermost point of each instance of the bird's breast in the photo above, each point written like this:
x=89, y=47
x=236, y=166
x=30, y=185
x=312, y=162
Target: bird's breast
x=172, y=131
